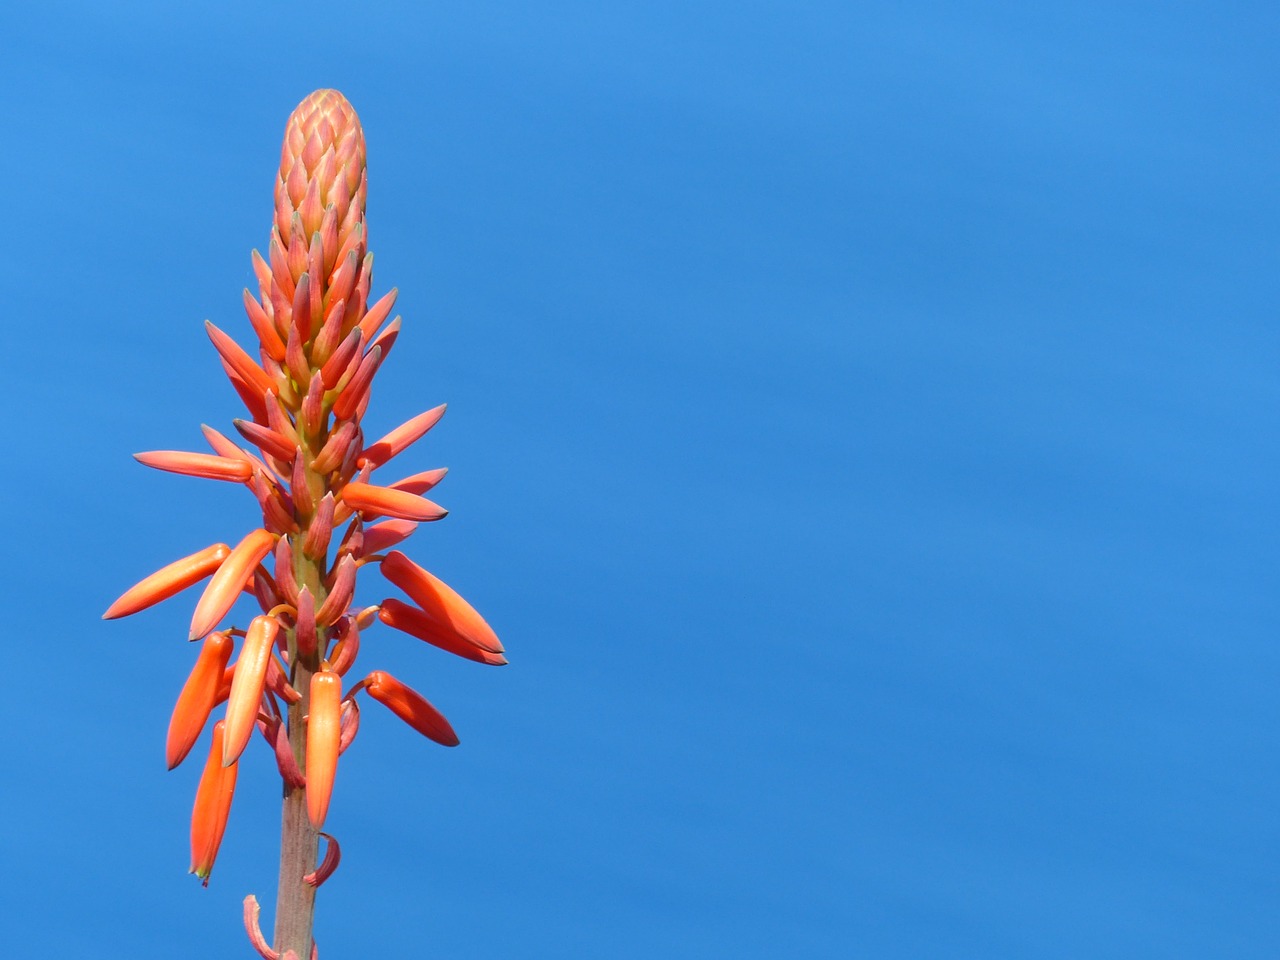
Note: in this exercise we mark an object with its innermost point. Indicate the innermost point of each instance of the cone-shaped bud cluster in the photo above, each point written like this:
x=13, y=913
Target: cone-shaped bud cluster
x=319, y=338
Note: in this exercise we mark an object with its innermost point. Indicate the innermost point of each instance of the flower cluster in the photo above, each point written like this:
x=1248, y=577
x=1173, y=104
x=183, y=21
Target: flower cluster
x=320, y=343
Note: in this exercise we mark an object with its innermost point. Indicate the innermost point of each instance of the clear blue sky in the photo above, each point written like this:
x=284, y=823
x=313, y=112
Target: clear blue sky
x=863, y=432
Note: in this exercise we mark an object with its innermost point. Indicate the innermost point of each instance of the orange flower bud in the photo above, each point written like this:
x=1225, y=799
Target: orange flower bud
x=213, y=804
x=402, y=436
x=246, y=686
x=229, y=580
x=198, y=697
x=411, y=707
x=169, y=580
x=439, y=602
x=390, y=502
x=196, y=464
x=324, y=733
x=417, y=624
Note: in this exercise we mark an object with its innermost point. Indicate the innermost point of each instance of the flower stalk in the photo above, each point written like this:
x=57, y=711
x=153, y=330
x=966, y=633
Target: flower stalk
x=320, y=346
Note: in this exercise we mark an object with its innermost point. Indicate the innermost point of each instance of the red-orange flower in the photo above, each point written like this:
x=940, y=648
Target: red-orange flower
x=321, y=339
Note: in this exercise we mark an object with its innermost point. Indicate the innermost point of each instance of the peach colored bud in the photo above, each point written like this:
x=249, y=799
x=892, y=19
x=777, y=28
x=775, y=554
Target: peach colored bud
x=403, y=436
x=169, y=580
x=324, y=732
x=212, y=806
x=197, y=699
x=414, y=622
x=228, y=581
x=247, y=685
x=196, y=464
x=438, y=601
x=411, y=707
x=374, y=500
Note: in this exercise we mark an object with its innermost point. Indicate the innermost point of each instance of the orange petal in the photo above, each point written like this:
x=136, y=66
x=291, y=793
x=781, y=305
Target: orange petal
x=196, y=464
x=439, y=602
x=246, y=686
x=229, y=580
x=402, y=436
x=394, y=503
x=414, y=622
x=167, y=581
x=197, y=699
x=213, y=804
x=324, y=731
x=411, y=707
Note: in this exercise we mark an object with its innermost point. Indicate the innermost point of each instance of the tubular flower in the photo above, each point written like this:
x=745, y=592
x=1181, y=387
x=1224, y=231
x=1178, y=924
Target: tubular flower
x=319, y=339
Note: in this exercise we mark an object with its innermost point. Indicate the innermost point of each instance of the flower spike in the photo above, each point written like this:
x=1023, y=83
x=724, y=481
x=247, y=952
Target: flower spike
x=320, y=334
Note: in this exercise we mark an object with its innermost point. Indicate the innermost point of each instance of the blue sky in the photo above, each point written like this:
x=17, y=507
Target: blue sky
x=862, y=434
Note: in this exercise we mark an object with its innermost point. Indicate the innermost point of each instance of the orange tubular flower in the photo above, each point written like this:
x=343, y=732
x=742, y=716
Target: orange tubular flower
x=439, y=602
x=411, y=707
x=324, y=731
x=167, y=581
x=198, y=697
x=247, y=685
x=213, y=804
x=306, y=384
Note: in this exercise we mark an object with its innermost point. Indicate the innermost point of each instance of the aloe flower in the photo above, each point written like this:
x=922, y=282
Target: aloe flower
x=320, y=342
